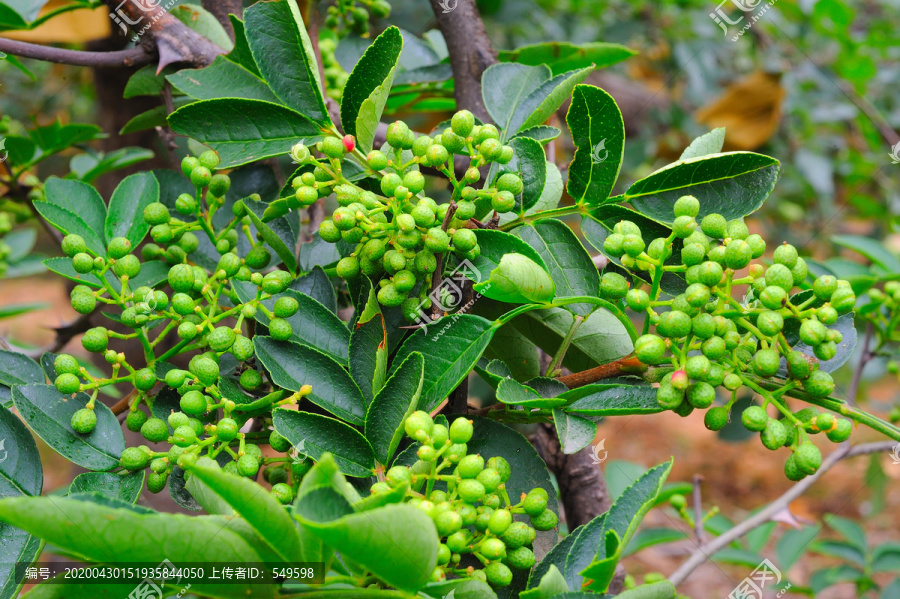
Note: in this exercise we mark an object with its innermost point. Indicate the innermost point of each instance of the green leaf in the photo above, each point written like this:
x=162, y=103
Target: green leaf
x=222, y=79
x=542, y=133
x=850, y=530
x=451, y=347
x=75, y=526
x=293, y=365
x=396, y=543
x=550, y=197
x=733, y=184
x=871, y=249
x=18, y=369
x=544, y=101
x=317, y=434
x=20, y=475
x=652, y=536
x=841, y=550
x=254, y=211
x=241, y=53
x=258, y=507
x=612, y=400
x=79, y=198
x=551, y=584
x=125, y=488
x=494, y=246
x=317, y=285
x=88, y=167
x=68, y=222
x=368, y=87
x=466, y=588
x=513, y=393
x=368, y=357
x=505, y=86
x=622, y=520
x=565, y=56
x=146, y=82
x=886, y=557
x=126, y=206
x=568, y=264
x=574, y=432
x=48, y=413
x=203, y=22
x=243, y=131
x=518, y=355
x=392, y=405
x=708, y=143
x=822, y=579
x=555, y=559
x=284, y=55
x=657, y=590
x=518, y=280
x=792, y=544
x=598, y=132
x=583, y=550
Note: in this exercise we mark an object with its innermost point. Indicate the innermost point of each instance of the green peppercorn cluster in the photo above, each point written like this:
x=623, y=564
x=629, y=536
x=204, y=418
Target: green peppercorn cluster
x=713, y=340
x=335, y=75
x=473, y=514
x=6, y=225
x=348, y=16
x=204, y=317
x=400, y=234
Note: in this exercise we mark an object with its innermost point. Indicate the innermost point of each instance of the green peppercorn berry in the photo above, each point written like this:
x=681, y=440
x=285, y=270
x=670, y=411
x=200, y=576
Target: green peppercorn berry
x=285, y=307
x=765, y=363
x=700, y=395
x=248, y=465
x=535, y=501
x=156, y=214
x=73, y=244
x=503, y=201
x=780, y=275
x=715, y=419
x=144, y=379
x=687, y=206
x=637, y=299
x=754, y=418
x=825, y=351
x=843, y=300
x=650, y=349
x=819, y=384
x=419, y=426
x=499, y=521
x=206, y=370
x=674, y=324
x=95, y=340
x=492, y=549
x=177, y=419
x=813, y=332
x=83, y=420
x=398, y=135
x=464, y=240
x=209, y=159
x=668, y=397
x=736, y=229
x=546, y=520
x=462, y=123
x=193, y=403
x=684, y=226
x=732, y=382
x=773, y=297
x=276, y=281
x=807, y=458
x=738, y=254
x=134, y=458
x=226, y=429
x=502, y=467
x=219, y=185
x=83, y=263
x=841, y=430
x=774, y=435
x=280, y=329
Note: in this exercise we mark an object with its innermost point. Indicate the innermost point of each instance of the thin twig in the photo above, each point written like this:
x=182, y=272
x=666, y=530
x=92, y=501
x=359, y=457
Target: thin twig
x=864, y=356
x=439, y=270
x=628, y=365
x=698, y=509
x=704, y=552
x=136, y=56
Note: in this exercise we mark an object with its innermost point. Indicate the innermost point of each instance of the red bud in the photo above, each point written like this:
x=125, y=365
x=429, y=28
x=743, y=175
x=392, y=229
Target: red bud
x=349, y=142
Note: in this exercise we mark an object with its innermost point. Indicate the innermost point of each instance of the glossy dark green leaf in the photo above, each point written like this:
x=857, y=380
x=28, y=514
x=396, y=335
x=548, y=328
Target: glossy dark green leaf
x=313, y=324
x=651, y=537
x=622, y=520
x=494, y=245
x=126, y=207
x=125, y=487
x=317, y=285
x=222, y=79
x=574, y=432
x=550, y=196
x=396, y=543
x=512, y=392
x=75, y=526
x=567, y=262
x=542, y=133
x=871, y=249
x=599, y=135
x=583, y=550
x=451, y=347
x=555, y=559
x=505, y=86
x=88, y=167
x=612, y=400
x=77, y=197
x=284, y=55
x=18, y=369
x=530, y=163
x=241, y=53
x=544, y=101
x=518, y=354
x=71, y=223
x=243, y=131
x=733, y=184
x=368, y=357
x=708, y=143
x=259, y=508
x=293, y=365
x=565, y=56
x=368, y=87
x=394, y=402
x=48, y=413
x=318, y=434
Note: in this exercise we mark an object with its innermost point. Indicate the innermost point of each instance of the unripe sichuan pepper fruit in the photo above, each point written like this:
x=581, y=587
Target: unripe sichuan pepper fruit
x=711, y=341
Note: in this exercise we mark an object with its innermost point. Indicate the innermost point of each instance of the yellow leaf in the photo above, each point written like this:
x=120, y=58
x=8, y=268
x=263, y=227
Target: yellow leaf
x=74, y=27
x=749, y=109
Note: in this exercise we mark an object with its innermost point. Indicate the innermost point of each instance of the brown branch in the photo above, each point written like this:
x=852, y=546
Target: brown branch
x=470, y=52
x=136, y=56
x=698, y=508
x=175, y=42
x=220, y=9
x=628, y=365
x=436, y=278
